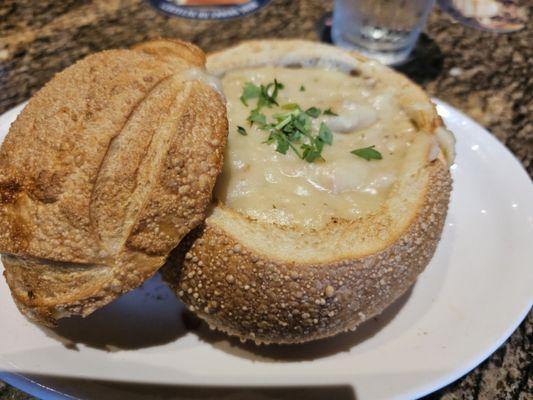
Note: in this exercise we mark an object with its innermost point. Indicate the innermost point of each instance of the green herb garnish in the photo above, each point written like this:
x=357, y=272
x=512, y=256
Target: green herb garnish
x=325, y=134
x=266, y=95
x=290, y=106
x=313, y=150
x=329, y=112
x=292, y=128
x=269, y=94
x=368, y=153
x=258, y=118
x=313, y=112
x=242, y=131
x=250, y=91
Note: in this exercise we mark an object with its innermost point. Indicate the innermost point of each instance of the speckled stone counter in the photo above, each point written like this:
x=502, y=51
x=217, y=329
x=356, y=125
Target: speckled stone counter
x=488, y=76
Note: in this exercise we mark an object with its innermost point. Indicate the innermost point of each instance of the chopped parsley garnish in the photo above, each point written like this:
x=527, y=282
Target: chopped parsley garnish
x=290, y=106
x=258, y=118
x=329, y=112
x=313, y=112
x=368, y=153
x=292, y=128
x=325, y=134
x=250, y=91
x=266, y=95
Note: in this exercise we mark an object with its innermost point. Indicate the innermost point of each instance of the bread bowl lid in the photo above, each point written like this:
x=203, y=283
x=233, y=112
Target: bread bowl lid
x=106, y=169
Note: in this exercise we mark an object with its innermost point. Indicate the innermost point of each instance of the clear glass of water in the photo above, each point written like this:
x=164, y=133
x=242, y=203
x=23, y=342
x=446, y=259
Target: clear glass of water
x=386, y=30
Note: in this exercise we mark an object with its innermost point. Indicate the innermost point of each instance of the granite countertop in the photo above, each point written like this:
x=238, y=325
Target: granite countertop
x=488, y=76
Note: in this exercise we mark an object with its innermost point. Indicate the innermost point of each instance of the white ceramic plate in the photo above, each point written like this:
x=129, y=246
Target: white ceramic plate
x=472, y=296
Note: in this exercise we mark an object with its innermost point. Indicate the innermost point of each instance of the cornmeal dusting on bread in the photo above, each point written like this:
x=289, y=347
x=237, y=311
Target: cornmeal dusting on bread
x=287, y=303
x=103, y=173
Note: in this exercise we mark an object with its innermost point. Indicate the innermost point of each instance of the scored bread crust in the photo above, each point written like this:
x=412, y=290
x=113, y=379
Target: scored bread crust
x=105, y=170
x=281, y=284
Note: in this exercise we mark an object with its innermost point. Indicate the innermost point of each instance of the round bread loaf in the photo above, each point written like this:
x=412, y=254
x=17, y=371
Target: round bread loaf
x=263, y=269
x=105, y=170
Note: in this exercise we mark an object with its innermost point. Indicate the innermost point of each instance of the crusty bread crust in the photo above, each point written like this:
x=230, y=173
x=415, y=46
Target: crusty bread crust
x=246, y=294
x=242, y=277
x=103, y=173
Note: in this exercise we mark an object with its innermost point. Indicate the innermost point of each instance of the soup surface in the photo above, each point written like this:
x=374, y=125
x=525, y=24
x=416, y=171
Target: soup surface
x=266, y=185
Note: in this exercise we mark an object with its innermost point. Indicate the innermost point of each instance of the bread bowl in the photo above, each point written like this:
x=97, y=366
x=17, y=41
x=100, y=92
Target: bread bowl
x=104, y=171
x=295, y=251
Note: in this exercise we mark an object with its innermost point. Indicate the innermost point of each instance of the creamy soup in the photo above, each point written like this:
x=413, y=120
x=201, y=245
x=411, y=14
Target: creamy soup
x=280, y=188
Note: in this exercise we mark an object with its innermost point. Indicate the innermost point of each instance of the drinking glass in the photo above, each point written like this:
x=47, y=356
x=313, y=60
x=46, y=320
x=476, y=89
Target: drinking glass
x=386, y=30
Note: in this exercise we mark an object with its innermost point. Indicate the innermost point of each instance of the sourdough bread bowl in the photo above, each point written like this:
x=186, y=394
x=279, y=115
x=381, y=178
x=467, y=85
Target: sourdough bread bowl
x=102, y=174
x=301, y=246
